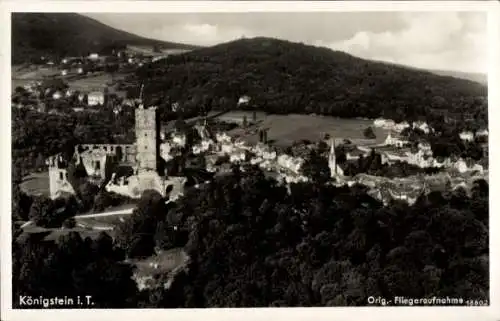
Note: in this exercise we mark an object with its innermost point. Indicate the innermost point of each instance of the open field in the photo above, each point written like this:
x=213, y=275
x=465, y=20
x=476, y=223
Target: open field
x=34, y=73
x=93, y=82
x=24, y=75
x=36, y=184
x=167, y=261
x=285, y=129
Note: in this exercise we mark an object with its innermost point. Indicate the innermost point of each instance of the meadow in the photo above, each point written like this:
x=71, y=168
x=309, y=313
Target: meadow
x=36, y=184
x=285, y=129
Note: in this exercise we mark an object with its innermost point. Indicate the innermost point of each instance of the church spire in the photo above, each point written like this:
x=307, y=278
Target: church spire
x=332, y=158
x=141, y=94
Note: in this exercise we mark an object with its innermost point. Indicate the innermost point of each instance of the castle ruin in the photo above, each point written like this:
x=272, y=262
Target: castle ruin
x=143, y=157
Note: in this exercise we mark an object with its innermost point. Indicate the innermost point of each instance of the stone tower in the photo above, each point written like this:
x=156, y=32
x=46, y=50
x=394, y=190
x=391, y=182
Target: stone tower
x=147, y=134
x=58, y=176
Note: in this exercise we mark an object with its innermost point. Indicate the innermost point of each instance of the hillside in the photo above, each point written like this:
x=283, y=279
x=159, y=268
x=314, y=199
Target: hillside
x=286, y=77
x=60, y=34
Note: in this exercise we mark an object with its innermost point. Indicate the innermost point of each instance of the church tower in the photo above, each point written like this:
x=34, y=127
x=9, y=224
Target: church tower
x=147, y=132
x=335, y=170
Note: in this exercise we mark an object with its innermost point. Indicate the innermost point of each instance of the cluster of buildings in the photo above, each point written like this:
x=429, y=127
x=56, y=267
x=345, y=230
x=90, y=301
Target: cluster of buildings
x=236, y=151
x=469, y=136
x=408, y=189
x=38, y=93
x=395, y=149
x=399, y=127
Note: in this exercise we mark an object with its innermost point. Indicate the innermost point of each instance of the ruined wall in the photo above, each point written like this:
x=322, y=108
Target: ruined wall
x=58, y=182
x=134, y=186
x=128, y=151
x=94, y=163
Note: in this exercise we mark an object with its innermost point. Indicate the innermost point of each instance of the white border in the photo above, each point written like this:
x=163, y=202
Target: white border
x=372, y=313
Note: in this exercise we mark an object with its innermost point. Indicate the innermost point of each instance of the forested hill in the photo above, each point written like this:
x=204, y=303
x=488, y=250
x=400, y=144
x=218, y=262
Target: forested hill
x=286, y=77
x=477, y=77
x=60, y=34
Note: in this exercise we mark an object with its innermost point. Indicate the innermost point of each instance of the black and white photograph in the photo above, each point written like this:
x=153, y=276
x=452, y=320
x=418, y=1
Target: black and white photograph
x=247, y=159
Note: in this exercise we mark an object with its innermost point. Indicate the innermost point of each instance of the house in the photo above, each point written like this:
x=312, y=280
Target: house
x=395, y=139
x=401, y=126
x=393, y=156
x=243, y=100
x=96, y=98
x=93, y=56
x=423, y=126
x=355, y=154
x=482, y=133
x=466, y=136
x=425, y=147
x=57, y=95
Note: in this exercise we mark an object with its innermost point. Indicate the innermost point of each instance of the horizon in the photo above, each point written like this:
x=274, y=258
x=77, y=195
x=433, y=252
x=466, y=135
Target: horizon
x=438, y=41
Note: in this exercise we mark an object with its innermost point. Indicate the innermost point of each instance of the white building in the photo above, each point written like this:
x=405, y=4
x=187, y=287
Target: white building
x=466, y=136
x=287, y=162
x=244, y=100
x=57, y=95
x=483, y=132
x=393, y=139
x=237, y=157
x=179, y=140
x=423, y=126
x=401, y=126
x=96, y=98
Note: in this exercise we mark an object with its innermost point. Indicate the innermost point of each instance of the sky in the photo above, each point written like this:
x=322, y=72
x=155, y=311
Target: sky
x=455, y=41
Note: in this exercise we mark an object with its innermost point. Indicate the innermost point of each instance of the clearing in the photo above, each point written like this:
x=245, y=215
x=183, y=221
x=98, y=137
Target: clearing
x=285, y=129
x=36, y=184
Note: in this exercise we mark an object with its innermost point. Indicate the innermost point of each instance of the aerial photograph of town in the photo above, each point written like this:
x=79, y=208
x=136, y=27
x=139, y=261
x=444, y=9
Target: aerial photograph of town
x=264, y=159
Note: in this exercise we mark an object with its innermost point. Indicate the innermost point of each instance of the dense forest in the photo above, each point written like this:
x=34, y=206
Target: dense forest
x=284, y=77
x=252, y=244
x=70, y=34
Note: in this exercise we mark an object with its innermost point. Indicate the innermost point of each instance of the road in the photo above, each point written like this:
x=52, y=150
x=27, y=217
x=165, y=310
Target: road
x=126, y=211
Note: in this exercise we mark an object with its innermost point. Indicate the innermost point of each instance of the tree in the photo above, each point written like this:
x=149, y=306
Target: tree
x=369, y=133
x=42, y=211
x=87, y=192
x=136, y=234
x=316, y=167
x=69, y=223
x=40, y=162
x=71, y=267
